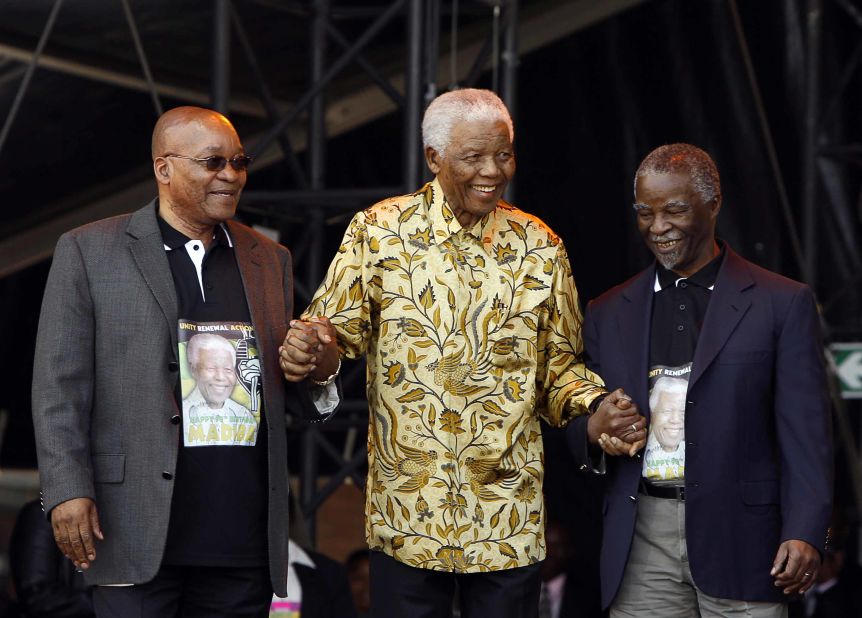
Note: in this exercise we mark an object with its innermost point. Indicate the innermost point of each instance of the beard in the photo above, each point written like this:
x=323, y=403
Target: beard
x=671, y=259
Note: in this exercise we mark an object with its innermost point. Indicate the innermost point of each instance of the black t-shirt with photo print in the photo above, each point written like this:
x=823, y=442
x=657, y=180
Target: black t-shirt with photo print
x=679, y=309
x=219, y=505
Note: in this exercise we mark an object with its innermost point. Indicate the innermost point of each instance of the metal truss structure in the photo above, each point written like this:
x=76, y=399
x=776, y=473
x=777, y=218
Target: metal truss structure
x=830, y=156
x=833, y=271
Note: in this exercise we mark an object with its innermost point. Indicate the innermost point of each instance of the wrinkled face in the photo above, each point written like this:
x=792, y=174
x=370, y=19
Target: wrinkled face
x=668, y=419
x=199, y=197
x=215, y=376
x=675, y=222
x=475, y=169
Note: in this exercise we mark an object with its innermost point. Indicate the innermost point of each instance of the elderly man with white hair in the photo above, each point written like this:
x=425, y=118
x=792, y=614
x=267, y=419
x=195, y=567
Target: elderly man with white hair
x=468, y=314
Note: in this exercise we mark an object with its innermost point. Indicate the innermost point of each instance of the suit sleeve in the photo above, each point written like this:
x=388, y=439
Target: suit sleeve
x=803, y=425
x=63, y=377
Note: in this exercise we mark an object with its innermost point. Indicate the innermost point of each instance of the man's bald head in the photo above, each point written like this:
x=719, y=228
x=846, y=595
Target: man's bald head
x=181, y=119
x=195, y=196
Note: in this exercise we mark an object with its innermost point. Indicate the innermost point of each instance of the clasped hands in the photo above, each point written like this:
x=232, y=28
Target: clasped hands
x=616, y=426
x=309, y=350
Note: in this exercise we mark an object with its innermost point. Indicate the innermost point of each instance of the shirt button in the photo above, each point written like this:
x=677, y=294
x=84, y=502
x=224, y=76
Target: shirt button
x=196, y=247
x=167, y=476
x=175, y=419
x=680, y=327
x=173, y=366
x=682, y=307
x=683, y=284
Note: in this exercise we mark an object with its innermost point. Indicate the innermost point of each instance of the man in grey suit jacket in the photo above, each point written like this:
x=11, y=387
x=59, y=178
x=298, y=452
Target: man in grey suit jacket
x=194, y=523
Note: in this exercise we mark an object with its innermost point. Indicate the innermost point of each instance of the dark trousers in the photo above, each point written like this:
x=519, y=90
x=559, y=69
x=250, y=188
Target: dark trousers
x=190, y=592
x=401, y=591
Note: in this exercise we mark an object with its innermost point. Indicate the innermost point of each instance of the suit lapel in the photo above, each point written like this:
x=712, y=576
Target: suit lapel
x=726, y=308
x=249, y=261
x=634, y=321
x=148, y=251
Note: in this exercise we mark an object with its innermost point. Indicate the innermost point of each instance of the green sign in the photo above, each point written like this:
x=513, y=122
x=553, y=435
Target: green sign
x=847, y=362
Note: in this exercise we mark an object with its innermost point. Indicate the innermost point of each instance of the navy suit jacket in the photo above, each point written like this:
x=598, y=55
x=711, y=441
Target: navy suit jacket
x=758, y=431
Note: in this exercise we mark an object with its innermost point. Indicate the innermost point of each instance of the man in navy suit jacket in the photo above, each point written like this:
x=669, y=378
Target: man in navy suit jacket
x=725, y=510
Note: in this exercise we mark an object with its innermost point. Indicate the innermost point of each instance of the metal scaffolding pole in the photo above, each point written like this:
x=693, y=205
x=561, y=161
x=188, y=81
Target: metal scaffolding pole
x=25, y=83
x=809, y=147
x=413, y=94
x=267, y=100
x=317, y=109
x=221, y=56
x=316, y=231
x=509, y=81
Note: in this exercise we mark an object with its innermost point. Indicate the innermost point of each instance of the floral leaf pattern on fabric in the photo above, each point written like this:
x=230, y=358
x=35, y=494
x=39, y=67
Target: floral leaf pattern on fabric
x=471, y=337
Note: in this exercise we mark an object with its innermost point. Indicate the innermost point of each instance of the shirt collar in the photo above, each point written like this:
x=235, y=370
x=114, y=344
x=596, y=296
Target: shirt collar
x=704, y=278
x=443, y=223
x=174, y=239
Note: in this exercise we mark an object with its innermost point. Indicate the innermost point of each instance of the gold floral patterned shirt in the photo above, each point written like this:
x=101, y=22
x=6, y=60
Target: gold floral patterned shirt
x=470, y=337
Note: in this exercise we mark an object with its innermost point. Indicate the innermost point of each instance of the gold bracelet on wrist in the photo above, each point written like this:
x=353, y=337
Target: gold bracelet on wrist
x=330, y=379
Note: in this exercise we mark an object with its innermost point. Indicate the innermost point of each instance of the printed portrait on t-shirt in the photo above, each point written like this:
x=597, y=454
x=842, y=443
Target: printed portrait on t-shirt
x=664, y=456
x=220, y=374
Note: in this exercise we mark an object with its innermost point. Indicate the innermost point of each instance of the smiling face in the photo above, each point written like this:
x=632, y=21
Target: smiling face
x=475, y=169
x=668, y=419
x=191, y=198
x=215, y=375
x=675, y=222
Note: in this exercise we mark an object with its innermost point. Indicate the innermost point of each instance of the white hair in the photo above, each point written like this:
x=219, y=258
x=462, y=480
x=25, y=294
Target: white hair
x=467, y=105
x=667, y=384
x=207, y=341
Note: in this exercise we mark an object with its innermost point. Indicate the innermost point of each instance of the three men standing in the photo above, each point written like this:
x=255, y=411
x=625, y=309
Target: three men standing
x=467, y=311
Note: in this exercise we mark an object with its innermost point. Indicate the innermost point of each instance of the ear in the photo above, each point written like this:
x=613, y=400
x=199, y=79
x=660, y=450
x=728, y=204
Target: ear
x=715, y=207
x=162, y=169
x=433, y=159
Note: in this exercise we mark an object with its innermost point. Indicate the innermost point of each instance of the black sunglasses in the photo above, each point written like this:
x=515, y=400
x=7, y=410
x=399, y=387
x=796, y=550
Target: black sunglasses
x=217, y=163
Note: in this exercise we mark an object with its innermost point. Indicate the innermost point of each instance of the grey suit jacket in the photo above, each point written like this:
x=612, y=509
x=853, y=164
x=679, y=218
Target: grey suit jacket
x=103, y=388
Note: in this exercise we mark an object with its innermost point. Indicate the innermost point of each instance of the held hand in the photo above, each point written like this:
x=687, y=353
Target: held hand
x=795, y=567
x=616, y=447
x=617, y=416
x=75, y=523
x=309, y=349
